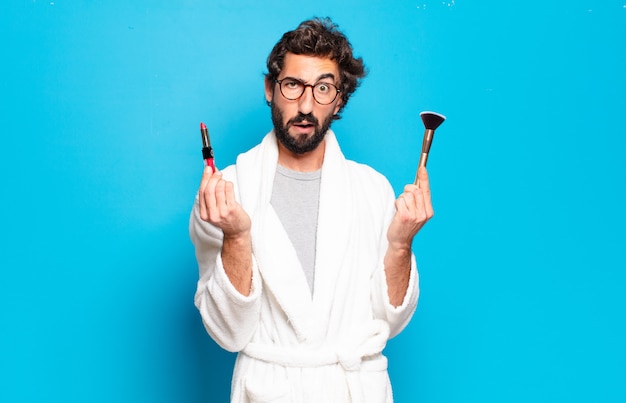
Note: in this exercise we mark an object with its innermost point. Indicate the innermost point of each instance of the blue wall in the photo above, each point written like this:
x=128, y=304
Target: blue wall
x=523, y=268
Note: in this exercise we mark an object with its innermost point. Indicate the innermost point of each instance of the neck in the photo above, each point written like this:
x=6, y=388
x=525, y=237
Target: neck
x=307, y=162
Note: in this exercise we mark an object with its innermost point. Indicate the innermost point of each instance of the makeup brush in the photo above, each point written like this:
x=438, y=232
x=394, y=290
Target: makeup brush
x=431, y=120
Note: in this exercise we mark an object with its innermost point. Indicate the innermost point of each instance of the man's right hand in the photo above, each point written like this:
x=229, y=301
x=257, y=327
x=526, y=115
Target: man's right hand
x=219, y=207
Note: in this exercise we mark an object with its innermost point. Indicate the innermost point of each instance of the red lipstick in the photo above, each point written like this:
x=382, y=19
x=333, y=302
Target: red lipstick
x=207, y=151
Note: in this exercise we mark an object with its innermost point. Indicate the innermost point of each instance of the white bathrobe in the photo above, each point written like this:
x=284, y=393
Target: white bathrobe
x=294, y=347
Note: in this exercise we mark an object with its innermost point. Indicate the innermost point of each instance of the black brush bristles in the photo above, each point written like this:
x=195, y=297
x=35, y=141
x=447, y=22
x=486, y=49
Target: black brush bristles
x=432, y=120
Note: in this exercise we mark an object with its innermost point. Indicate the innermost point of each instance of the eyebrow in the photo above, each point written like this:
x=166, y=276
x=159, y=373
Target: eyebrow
x=327, y=75
x=320, y=78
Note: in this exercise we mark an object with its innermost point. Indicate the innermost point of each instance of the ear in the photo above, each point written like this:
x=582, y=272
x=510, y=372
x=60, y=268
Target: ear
x=269, y=90
x=338, y=106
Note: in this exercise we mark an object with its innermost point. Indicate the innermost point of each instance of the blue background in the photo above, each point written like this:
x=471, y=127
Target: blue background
x=522, y=268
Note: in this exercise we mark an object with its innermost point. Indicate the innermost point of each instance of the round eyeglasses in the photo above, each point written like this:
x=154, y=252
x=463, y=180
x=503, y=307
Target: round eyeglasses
x=323, y=93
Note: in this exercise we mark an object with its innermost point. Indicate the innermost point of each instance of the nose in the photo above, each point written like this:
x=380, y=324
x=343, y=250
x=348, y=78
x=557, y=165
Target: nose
x=306, y=101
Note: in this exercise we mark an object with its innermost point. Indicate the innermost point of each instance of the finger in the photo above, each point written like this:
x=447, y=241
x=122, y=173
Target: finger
x=209, y=192
x=400, y=205
x=229, y=192
x=220, y=195
x=202, y=206
x=425, y=187
x=206, y=176
x=422, y=174
x=408, y=198
x=407, y=207
x=419, y=205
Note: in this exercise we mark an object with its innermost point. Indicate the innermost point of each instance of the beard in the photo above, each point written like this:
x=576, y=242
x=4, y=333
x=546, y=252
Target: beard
x=303, y=143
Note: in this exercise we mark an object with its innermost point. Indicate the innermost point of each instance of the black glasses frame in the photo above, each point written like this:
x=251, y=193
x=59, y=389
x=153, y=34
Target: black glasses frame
x=304, y=86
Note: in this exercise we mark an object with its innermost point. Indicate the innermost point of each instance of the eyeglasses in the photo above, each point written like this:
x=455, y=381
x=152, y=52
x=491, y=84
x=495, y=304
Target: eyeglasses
x=323, y=93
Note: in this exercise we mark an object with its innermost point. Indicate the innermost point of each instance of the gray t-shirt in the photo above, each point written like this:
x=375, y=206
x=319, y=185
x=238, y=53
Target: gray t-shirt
x=295, y=198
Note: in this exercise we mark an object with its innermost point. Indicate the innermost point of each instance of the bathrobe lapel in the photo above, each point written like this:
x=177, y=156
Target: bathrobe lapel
x=332, y=233
x=274, y=253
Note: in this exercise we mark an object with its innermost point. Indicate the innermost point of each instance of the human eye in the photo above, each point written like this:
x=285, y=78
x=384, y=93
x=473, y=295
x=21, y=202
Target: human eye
x=323, y=88
x=292, y=84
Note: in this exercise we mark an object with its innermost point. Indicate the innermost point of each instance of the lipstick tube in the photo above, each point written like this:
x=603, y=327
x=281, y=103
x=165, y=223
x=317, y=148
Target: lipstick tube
x=207, y=150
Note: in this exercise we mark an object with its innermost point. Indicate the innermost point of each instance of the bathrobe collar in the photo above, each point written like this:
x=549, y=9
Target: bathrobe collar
x=275, y=255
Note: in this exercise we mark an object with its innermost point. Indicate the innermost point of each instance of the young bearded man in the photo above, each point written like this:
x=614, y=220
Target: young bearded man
x=306, y=267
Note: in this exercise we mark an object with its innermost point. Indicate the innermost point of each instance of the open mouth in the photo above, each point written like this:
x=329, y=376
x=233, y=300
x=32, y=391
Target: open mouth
x=304, y=125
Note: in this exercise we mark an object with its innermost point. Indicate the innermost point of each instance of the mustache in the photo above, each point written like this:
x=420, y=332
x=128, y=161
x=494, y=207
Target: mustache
x=302, y=117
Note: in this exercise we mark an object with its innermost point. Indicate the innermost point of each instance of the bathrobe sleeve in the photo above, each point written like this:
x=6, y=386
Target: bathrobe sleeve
x=229, y=317
x=397, y=317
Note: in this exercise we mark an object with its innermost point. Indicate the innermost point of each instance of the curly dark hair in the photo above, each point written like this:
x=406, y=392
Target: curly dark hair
x=320, y=37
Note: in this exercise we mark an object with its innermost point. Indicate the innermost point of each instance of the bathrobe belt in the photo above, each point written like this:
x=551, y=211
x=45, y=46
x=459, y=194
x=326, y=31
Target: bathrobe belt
x=349, y=355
